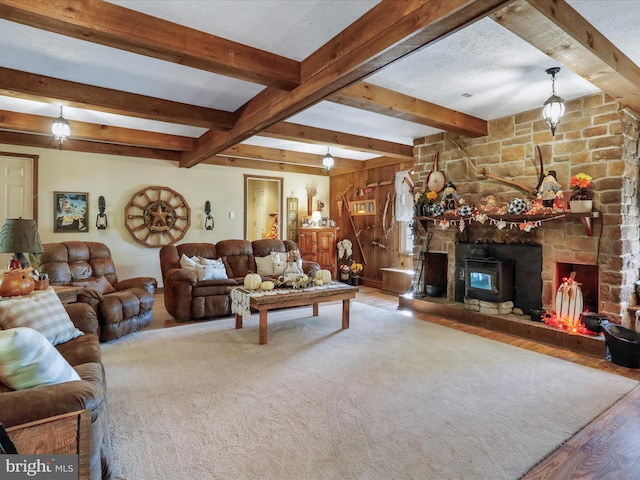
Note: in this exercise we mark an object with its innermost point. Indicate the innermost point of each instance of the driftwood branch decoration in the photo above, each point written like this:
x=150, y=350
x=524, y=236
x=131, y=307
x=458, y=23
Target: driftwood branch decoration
x=484, y=173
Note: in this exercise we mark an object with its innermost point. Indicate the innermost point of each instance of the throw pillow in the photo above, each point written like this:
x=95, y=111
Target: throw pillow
x=211, y=272
x=265, y=266
x=98, y=284
x=27, y=359
x=190, y=263
x=41, y=310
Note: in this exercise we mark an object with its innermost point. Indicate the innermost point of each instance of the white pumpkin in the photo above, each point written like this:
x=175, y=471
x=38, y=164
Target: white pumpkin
x=324, y=276
x=267, y=285
x=252, y=281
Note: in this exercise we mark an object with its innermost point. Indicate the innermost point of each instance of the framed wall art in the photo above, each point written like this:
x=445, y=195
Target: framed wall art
x=70, y=212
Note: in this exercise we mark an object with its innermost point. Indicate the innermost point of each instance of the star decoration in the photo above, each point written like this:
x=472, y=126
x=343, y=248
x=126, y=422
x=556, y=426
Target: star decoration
x=159, y=216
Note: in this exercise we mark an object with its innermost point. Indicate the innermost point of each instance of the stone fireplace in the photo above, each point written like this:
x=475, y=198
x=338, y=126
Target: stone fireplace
x=598, y=137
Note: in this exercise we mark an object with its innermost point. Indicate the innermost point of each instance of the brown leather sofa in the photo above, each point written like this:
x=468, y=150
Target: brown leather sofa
x=187, y=298
x=18, y=407
x=122, y=307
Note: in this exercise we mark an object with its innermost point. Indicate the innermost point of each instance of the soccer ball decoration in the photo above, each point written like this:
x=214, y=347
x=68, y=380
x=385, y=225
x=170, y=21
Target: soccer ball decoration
x=465, y=210
x=517, y=206
x=437, y=209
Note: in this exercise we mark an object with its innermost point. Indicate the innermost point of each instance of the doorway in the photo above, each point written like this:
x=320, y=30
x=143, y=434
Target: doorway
x=262, y=207
x=18, y=184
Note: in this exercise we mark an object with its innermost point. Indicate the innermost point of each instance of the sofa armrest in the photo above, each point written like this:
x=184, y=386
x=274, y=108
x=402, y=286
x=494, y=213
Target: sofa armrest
x=180, y=275
x=24, y=406
x=146, y=283
x=83, y=317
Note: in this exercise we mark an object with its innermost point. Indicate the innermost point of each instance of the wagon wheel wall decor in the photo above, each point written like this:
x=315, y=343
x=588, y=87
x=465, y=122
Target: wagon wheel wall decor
x=157, y=216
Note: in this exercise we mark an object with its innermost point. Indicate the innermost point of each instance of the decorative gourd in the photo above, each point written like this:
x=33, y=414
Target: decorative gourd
x=267, y=285
x=16, y=282
x=252, y=281
x=324, y=276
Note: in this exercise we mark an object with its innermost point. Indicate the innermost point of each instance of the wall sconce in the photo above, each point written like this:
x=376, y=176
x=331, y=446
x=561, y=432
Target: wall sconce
x=328, y=160
x=20, y=236
x=208, y=220
x=554, y=106
x=101, y=219
x=61, y=129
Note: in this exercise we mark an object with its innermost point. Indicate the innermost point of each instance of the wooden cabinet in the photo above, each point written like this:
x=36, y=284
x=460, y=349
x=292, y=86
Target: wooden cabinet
x=319, y=245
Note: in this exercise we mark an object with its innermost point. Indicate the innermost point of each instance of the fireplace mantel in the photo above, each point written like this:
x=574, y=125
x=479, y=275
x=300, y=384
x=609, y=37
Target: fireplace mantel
x=585, y=218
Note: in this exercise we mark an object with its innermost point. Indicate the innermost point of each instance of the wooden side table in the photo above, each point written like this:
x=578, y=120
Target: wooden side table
x=67, y=294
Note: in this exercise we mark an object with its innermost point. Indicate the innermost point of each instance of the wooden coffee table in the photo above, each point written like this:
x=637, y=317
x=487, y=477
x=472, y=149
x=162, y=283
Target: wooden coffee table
x=298, y=298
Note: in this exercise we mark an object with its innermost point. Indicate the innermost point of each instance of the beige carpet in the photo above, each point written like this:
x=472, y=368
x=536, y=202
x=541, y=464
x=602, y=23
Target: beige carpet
x=390, y=398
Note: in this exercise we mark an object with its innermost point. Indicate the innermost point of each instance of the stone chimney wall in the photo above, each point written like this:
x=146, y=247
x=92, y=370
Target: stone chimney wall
x=597, y=136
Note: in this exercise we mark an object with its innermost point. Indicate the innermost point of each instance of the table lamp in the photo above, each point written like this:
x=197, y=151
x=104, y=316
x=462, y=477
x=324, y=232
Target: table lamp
x=316, y=218
x=19, y=236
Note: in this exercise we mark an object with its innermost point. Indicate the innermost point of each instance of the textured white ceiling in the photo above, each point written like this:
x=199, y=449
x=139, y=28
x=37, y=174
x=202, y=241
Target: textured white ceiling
x=483, y=70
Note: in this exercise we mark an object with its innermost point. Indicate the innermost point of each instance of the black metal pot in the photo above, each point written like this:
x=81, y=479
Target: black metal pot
x=593, y=321
x=537, y=314
x=433, y=290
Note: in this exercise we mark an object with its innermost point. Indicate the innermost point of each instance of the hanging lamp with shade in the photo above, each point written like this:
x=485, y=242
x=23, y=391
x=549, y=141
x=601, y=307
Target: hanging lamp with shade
x=328, y=160
x=61, y=129
x=554, y=107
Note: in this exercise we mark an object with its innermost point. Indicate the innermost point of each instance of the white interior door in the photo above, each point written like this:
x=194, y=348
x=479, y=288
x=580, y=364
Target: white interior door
x=16, y=185
x=260, y=214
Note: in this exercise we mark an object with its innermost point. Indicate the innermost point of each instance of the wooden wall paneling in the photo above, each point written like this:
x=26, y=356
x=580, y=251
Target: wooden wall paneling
x=370, y=226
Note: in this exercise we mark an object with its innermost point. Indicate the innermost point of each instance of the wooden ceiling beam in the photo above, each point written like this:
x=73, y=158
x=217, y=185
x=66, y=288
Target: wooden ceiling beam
x=118, y=27
x=286, y=156
x=247, y=163
x=319, y=136
x=29, y=86
x=382, y=101
x=384, y=162
x=559, y=31
x=22, y=122
x=386, y=33
x=47, y=141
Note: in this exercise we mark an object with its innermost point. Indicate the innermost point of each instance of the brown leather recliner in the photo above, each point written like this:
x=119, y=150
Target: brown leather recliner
x=128, y=306
x=18, y=407
x=186, y=297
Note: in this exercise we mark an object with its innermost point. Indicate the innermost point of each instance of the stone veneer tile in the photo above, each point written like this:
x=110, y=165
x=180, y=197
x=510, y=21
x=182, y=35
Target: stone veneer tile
x=570, y=147
x=595, y=131
x=604, y=142
x=502, y=128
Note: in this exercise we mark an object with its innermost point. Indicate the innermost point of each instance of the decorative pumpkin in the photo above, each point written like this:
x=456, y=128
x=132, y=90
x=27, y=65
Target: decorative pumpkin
x=324, y=276
x=16, y=282
x=252, y=281
x=267, y=285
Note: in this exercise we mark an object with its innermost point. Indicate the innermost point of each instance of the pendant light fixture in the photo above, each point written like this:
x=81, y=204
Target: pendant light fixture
x=554, y=106
x=60, y=129
x=328, y=161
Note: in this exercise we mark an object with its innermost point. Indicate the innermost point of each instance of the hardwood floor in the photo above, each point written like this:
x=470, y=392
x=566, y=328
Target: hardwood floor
x=606, y=449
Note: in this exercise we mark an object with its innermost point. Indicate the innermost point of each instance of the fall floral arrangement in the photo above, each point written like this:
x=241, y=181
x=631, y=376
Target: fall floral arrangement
x=356, y=268
x=581, y=182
